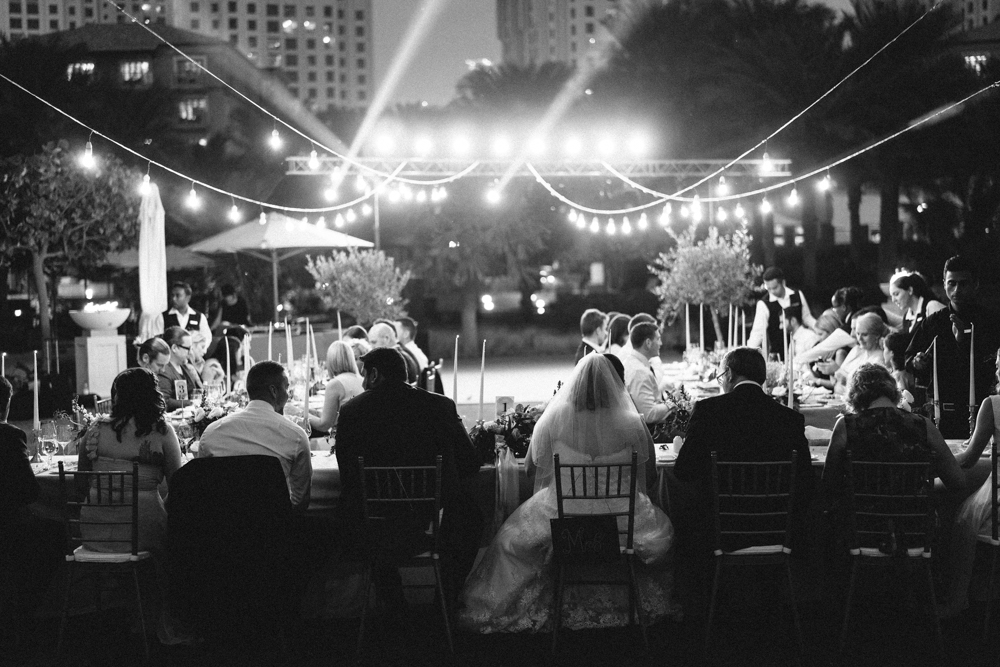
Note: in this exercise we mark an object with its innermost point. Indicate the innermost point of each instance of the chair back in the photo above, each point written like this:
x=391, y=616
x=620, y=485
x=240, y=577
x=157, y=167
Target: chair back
x=752, y=503
x=995, y=495
x=890, y=509
x=115, y=494
x=587, y=489
x=102, y=406
x=408, y=494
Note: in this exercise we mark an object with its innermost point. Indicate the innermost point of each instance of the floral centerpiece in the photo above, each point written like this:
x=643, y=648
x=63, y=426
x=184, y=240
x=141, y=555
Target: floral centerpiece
x=514, y=427
x=776, y=384
x=212, y=410
x=677, y=423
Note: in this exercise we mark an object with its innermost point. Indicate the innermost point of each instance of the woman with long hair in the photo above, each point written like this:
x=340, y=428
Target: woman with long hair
x=591, y=420
x=344, y=384
x=135, y=431
x=910, y=293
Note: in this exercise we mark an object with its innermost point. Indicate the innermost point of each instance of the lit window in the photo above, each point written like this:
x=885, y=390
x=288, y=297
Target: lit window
x=976, y=63
x=78, y=71
x=192, y=111
x=187, y=72
x=135, y=71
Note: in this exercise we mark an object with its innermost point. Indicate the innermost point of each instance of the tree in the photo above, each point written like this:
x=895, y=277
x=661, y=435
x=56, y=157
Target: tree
x=363, y=283
x=716, y=272
x=65, y=217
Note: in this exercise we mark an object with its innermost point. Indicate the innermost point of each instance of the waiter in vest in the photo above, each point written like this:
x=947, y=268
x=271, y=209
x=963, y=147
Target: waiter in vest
x=184, y=316
x=768, y=323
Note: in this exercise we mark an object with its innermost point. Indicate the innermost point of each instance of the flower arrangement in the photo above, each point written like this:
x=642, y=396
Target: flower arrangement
x=677, y=423
x=210, y=411
x=514, y=427
x=703, y=363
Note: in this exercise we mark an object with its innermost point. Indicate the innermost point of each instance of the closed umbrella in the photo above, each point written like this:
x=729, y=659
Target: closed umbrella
x=152, y=261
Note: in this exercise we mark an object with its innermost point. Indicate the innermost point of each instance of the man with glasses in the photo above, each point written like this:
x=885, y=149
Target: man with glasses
x=178, y=379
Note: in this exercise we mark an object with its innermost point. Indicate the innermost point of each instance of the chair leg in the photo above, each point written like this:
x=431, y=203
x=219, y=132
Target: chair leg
x=65, y=610
x=933, y=601
x=795, y=609
x=142, y=616
x=711, y=606
x=635, y=602
x=366, y=586
x=847, y=606
x=557, y=606
x=989, y=593
x=444, y=605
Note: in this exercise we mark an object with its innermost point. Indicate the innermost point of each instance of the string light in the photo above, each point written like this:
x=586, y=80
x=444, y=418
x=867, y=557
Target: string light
x=739, y=211
x=234, y=213
x=87, y=160
x=193, y=200
x=581, y=222
x=766, y=165
x=643, y=222
x=493, y=196
x=572, y=215
x=626, y=226
x=330, y=194
x=338, y=222
x=351, y=216
x=366, y=209
x=394, y=195
x=721, y=215
x=595, y=226
x=321, y=223
x=824, y=184
x=722, y=189
x=765, y=206
x=275, y=141
x=313, y=160
x=696, y=212
x=144, y=186
x=665, y=215
x=793, y=198
x=685, y=211
x=263, y=219
x=421, y=196
x=361, y=184
x=610, y=229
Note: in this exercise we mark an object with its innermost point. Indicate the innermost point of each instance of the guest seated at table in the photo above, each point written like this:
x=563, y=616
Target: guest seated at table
x=153, y=355
x=894, y=356
x=394, y=424
x=178, y=379
x=869, y=329
x=640, y=379
x=214, y=370
x=31, y=548
x=344, y=384
x=742, y=424
x=590, y=420
x=617, y=334
x=356, y=332
x=974, y=515
x=135, y=431
x=383, y=335
x=261, y=429
x=834, y=329
x=593, y=331
x=406, y=331
x=878, y=430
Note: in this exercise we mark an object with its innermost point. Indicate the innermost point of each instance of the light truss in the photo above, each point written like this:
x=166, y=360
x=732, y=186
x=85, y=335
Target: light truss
x=299, y=165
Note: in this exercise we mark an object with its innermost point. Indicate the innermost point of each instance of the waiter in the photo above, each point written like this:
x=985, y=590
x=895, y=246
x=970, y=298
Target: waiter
x=953, y=329
x=184, y=316
x=781, y=302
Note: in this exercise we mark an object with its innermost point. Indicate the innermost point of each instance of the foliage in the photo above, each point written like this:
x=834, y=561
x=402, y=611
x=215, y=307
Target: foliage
x=363, y=283
x=715, y=271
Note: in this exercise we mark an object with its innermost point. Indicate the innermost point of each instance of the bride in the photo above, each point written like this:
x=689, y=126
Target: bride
x=591, y=420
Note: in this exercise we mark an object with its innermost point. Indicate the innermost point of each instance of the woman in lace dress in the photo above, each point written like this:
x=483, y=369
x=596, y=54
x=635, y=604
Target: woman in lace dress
x=591, y=420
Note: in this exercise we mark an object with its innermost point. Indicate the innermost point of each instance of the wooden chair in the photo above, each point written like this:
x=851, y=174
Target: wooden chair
x=107, y=514
x=890, y=517
x=993, y=539
x=394, y=496
x=589, y=485
x=751, y=507
x=102, y=406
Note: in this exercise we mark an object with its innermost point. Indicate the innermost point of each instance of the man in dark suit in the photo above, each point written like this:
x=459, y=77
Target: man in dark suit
x=178, y=372
x=394, y=424
x=743, y=424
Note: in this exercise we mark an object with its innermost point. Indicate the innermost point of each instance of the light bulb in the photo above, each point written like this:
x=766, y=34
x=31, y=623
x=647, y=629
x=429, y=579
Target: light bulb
x=685, y=211
x=407, y=192
x=351, y=216
x=721, y=215
x=234, y=214
x=765, y=206
x=366, y=209
x=643, y=222
x=739, y=211
x=581, y=222
x=696, y=212
x=793, y=198
x=321, y=223
x=339, y=220
x=665, y=216
x=421, y=195
x=394, y=195
x=572, y=215
x=193, y=200
x=87, y=160
x=313, y=160
x=144, y=187
x=275, y=141
x=722, y=189
x=493, y=196
x=263, y=218
x=330, y=194
x=610, y=228
x=595, y=226
x=626, y=226
x=824, y=184
x=361, y=184
x=442, y=193
x=766, y=166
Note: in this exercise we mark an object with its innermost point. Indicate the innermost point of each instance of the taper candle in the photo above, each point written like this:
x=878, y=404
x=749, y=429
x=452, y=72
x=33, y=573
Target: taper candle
x=482, y=381
x=937, y=394
x=972, y=367
x=270, y=331
x=312, y=337
x=730, y=328
x=454, y=375
x=3, y=364
x=37, y=423
x=289, y=358
x=743, y=314
x=340, y=328
x=687, y=327
x=246, y=356
x=789, y=355
x=701, y=326
x=305, y=384
x=229, y=370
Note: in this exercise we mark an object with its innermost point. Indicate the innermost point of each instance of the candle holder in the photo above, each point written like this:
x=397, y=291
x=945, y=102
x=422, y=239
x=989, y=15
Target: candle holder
x=36, y=437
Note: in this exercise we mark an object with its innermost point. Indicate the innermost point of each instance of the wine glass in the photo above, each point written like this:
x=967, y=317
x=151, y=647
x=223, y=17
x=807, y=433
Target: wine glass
x=47, y=440
x=64, y=435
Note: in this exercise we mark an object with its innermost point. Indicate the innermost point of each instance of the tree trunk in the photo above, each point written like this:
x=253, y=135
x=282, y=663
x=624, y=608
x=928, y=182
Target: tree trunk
x=889, y=232
x=858, y=240
x=41, y=286
x=721, y=339
x=470, y=330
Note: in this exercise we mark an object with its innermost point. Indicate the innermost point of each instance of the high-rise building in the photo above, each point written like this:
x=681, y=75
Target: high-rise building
x=322, y=48
x=533, y=32
x=976, y=13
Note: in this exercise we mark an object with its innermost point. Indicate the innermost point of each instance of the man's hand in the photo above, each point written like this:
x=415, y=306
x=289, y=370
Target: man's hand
x=959, y=328
x=920, y=361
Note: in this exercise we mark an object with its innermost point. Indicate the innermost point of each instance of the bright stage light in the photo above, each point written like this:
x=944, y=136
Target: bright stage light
x=313, y=160
x=536, y=146
x=460, y=145
x=581, y=222
x=330, y=194
x=421, y=196
x=406, y=191
x=572, y=147
x=606, y=146
x=234, y=214
x=493, y=196
x=384, y=144
x=423, y=146
x=793, y=198
x=360, y=184
x=275, y=141
x=638, y=144
x=394, y=195
x=501, y=146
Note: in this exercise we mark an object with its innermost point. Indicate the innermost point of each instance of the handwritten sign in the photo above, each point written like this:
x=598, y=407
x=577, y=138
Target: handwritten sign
x=585, y=539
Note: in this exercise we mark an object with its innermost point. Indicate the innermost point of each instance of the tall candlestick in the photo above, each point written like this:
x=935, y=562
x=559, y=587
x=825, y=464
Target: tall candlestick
x=730, y=328
x=789, y=355
x=701, y=326
x=340, y=328
x=37, y=423
x=312, y=336
x=305, y=384
x=270, y=331
x=687, y=327
x=454, y=375
x=246, y=356
x=229, y=370
x=743, y=313
x=482, y=381
x=3, y=365
x=972, y=376
x=288, y=345
x=937, y=394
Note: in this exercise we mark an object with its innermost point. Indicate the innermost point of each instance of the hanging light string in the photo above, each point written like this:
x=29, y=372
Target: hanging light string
x=356, y=164
x=208, y=186
x=763, y=142
x=662, y=198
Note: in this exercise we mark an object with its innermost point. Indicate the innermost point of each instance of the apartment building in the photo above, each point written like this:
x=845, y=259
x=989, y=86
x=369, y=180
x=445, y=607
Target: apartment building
x=533, y=32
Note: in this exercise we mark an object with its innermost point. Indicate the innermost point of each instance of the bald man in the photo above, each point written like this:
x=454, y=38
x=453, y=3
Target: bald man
x=383, y=334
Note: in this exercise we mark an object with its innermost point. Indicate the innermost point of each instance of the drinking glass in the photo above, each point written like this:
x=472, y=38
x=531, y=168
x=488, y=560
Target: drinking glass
x=47, y=440
x=64, y=435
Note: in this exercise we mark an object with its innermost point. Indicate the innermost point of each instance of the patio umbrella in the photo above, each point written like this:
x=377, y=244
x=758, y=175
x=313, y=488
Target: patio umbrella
x=277, y=238
x=177, y=259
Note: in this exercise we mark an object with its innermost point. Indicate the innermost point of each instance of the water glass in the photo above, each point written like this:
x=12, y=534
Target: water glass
x=47, y=441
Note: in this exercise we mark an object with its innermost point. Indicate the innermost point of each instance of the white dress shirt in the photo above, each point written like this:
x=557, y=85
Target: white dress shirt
x=204, y=330
x=759, y=331
x=418, y=353
x=258, y=429
x=642, y=386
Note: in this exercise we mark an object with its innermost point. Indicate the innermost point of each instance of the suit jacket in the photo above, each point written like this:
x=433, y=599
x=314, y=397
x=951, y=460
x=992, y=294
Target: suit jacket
x=743, y=425
x=165, y=383
x=18, y=486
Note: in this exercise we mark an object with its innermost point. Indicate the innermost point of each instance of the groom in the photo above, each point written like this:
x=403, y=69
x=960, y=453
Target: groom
x=394, y=424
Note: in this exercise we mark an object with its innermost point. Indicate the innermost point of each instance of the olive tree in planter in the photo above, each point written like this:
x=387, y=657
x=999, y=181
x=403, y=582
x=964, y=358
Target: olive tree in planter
x=365, y=284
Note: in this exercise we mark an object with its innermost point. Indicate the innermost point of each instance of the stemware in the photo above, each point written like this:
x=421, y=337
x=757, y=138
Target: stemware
x=64, y=435
x=47, y=441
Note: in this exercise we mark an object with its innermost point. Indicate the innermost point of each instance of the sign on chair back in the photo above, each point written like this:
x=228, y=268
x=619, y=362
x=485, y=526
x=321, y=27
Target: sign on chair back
x=593, y=502
x=890, y=516
x=752, y=507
